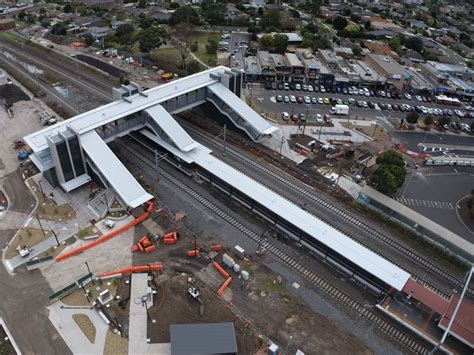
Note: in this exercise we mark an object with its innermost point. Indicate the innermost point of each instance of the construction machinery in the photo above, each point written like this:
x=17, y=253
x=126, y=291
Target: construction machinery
x=22, y=155
x=146, y=244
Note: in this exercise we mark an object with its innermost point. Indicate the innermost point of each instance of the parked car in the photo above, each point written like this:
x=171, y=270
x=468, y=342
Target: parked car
x=319, y=119
x=286, y=99
x=294, y=117
x=371, y=105
x=344, y=91
x=302, y=117
x=268, y=86
x=304, y=87
x=320, y=100
x=307, y=100
x=293, y=99
x=314, y=100
x=298, y=87
x=285, y=116
x=322, y=89
x=279, y=98
x=407, y=96
x=286, y=86
x=418, y=97
x=310, y=88
x=300, y=99
x=326, y=101
x=382, y=93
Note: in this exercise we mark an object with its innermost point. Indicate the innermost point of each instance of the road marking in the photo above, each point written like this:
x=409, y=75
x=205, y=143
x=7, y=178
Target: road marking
x=442, y=205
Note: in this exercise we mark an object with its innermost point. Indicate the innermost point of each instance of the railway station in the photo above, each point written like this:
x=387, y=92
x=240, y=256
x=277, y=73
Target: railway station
x=74, y=152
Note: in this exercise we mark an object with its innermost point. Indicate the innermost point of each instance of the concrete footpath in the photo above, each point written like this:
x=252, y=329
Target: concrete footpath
x=137, y=331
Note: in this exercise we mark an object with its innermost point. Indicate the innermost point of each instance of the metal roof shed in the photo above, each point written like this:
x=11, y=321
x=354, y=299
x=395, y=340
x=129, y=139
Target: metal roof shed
x=203, y=339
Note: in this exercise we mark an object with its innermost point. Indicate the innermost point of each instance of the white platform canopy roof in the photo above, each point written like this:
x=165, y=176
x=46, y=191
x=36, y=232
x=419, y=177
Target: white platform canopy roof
x=124, y=184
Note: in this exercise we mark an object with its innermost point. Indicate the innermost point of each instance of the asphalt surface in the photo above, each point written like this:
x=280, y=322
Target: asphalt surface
x=435, y=193
x=25, y=295
x=265, y=100
x=411, y=139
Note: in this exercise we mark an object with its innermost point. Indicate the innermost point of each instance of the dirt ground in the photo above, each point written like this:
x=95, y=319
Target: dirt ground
x=48, y=209
x=115, y=344
x=6, y=346
x=172, y=297
x=77, y=298
x=27, y=236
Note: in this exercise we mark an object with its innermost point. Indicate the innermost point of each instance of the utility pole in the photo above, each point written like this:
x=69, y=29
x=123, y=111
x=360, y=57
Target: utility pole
x=85, y=293
x=41, y=189
x=281, y=144
x=41, y=226
x=119, y=326
x=90, y=273
x=375, y=128
x=55, y=236
x=288, y=345
x=144, y=303
x=458, y=305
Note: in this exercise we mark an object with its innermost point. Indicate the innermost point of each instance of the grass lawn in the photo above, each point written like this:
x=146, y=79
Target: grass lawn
x=201, y=38
x=167, y=59
x=47, y=209
x=86, y=325
x=10, y=36
x=27, y=236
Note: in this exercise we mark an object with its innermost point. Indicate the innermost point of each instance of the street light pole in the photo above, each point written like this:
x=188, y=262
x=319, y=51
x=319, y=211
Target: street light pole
x=85, y=293
x=41, y=226
x=90, y=273
x=55, y=236
x=288, y=345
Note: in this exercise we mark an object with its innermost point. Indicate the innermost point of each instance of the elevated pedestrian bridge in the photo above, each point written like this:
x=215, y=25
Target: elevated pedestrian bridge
x=69, y=153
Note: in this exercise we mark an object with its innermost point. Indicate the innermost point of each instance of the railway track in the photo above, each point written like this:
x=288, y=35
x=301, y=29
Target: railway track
x=70, y=71
x=350, y=218
x=406, y=340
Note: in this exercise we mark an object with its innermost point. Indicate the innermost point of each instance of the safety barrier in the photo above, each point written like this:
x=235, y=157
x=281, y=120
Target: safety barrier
x=139, y=219
x=132, y=269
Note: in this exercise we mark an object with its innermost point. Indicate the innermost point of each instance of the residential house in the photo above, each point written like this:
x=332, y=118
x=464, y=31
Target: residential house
x=413, y=56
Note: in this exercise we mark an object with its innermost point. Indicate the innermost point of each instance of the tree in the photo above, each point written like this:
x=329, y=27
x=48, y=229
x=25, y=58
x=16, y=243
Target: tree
x=151, y=38
x=428, y=121
x=412, y=118
x=339, y=22
x=355, y=18
x=213, y=12
x=59, y=29
x=443, y=120
x=270, y=18
x=315, y=7
x=211, y=46
x=357, y=50
x=367, y=25
x=415, y=43
x=266, y=41
x=88, y=40
x=186, y=14
x=390, y=174
x=141, y=4
x=391, y=157
x=124, y=33
x=396, y=44
x=68, y=8
x=144, y=22
x=42, y=11
x=45, y=22
x=280, y=42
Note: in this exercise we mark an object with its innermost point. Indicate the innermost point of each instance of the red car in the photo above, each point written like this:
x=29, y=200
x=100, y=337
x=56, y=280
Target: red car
x=294, y=117
x=300, y=99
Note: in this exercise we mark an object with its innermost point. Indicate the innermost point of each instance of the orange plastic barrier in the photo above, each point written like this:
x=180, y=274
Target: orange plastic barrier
x=104, y=238
x=223, y=287
x=216, y=247
x=169, y=241
x=134, y=248
x=150, y=248
x=128, y=270
x=171, y=235
x=193, y=253
x=221, y=270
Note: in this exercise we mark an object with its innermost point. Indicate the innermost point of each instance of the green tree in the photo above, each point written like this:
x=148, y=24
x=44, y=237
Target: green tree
x=68, y=8
x=280, y=42
x=390, y=174
x=412, y=118
x=42, y=11
x=339, y=22
x=144, y=22
x=270, y=18
x=415, y=43
x=443, y=120
x=367, y=25
x=355, y=18
x=141, y=4
x=45, y=22
x=357, y=50
x=186, y=14
x=391, y=157
x=396, y=44
x=124, y=33
x=213, y=12
x=151, y=38
x=428, y=121
x=88, y=40
x=59, y=29
x=211, y=46
x=266, y=41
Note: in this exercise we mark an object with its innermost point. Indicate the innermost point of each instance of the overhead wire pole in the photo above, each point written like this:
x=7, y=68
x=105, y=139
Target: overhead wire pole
x=458, y=305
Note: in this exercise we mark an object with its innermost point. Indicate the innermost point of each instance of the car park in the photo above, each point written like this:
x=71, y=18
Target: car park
x=285, y=116
x=286, y=99
x=307, y=100
x=279, y=98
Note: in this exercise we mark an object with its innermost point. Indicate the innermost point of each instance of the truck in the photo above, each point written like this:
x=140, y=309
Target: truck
x=339, y=110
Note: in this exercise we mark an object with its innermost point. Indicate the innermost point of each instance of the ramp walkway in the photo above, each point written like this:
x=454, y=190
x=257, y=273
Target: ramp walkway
x=162, y=121
x=239, y=112
x=124, y=184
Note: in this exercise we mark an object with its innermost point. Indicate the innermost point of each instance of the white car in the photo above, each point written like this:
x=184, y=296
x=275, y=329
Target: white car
x=322, y=89
x=424, y=109
x=382, y=93
x=465, y=127
x=367, y=93
x=320, y=101
x=459, y=113
x=307, y=100
x=298, y=87
x=418, y=97
x=285, y=116
x=319, y=118
x=310, y=88
x=364, y=104
x=293, y=99
x=408, y=96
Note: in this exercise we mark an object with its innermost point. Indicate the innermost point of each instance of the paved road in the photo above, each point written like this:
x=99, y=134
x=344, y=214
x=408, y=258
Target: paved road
x=411, y=139
x=435, y=192
x=24, y=296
